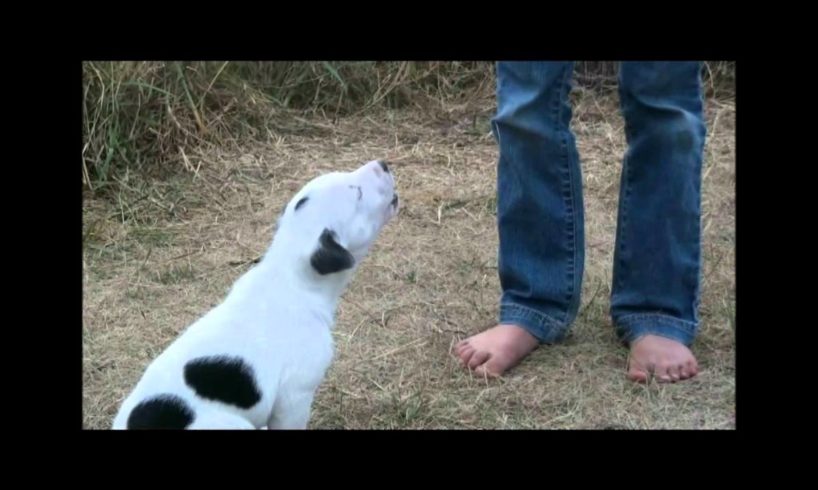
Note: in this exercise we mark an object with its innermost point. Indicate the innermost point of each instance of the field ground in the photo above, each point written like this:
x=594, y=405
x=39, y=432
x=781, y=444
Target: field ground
x=162, y=252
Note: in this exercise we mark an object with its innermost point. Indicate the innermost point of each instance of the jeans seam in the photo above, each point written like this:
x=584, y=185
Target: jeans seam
x=572, y=272
x=653, y=316
x=622, y=221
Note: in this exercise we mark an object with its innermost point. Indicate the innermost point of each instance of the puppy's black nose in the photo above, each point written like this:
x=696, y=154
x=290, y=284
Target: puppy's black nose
x=384, y=166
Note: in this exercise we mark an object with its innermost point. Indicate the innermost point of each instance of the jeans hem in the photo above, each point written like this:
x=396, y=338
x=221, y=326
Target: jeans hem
x=541, y=326
x=630, y=328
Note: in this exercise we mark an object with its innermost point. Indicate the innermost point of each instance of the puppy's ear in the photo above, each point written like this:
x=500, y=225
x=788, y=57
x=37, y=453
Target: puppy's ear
x=330, y=256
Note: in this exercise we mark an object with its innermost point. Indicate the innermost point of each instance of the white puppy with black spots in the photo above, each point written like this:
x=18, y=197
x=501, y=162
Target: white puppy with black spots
x=256, y=359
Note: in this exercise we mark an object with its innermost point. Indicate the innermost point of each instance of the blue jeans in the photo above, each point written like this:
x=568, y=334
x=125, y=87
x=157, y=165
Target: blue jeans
x=657, y=261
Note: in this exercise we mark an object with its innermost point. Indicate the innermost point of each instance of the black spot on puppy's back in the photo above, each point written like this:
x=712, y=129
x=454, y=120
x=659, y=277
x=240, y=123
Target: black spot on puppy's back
x=161, y=412
x=224, y=379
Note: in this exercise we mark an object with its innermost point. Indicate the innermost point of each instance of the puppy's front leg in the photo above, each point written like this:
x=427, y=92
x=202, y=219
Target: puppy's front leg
x=292, y=412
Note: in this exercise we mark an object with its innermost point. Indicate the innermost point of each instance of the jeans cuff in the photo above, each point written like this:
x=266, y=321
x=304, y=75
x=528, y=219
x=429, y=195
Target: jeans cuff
x=630, y=328
x=541, y=326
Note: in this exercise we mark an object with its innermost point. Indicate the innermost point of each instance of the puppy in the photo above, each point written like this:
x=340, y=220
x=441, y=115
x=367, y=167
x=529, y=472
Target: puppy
x=256, y=359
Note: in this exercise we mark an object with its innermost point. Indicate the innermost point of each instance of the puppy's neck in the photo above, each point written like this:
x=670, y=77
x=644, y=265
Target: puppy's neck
x=290, y=267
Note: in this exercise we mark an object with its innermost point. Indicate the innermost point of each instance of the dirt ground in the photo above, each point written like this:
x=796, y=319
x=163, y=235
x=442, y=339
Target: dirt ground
x=161, y=253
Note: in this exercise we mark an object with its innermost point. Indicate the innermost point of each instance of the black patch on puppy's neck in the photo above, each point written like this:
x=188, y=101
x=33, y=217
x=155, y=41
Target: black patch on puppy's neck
x=330, y=257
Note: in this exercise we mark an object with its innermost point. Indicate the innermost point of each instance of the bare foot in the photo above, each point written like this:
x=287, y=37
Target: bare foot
x=498, y=349
x=667, y=360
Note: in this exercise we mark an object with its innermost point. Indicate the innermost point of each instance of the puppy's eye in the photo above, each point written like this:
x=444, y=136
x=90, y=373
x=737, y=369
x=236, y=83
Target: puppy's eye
x=360, y=192
x=300, y=203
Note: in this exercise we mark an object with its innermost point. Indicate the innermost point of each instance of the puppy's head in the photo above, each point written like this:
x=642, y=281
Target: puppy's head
x=334, y=219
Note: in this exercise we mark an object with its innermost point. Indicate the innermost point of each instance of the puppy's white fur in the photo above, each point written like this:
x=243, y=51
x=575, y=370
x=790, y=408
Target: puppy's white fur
x=274, y=325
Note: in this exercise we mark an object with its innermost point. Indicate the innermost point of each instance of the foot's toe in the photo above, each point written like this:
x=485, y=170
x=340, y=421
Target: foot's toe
x=661, y=372
x=694, y=367
x=488, y=370
x=641, y=369
x=637, y=373
x=466, y=354
x=479, y=358
x=673, y=372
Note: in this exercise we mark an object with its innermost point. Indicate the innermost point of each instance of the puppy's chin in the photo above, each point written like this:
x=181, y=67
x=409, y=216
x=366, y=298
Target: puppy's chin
x=393, y=210
x=395, y=204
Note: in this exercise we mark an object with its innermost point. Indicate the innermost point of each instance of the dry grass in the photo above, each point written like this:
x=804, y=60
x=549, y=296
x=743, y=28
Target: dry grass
x=159, y=254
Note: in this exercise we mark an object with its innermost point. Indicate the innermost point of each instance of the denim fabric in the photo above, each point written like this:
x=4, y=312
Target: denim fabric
x=657, y=262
